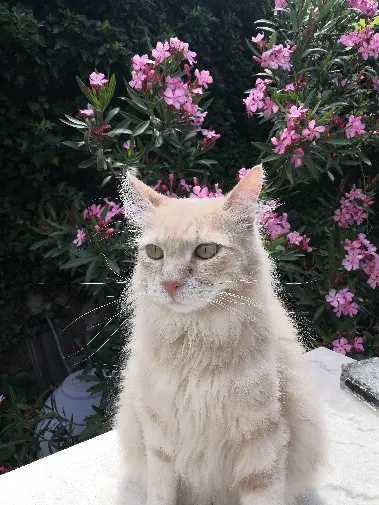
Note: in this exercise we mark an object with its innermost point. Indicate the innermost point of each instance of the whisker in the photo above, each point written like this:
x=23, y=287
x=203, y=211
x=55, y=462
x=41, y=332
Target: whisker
x=102, y=345
x=89, y=312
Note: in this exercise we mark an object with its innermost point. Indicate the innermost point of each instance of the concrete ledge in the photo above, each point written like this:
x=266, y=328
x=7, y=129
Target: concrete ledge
x=90, y=473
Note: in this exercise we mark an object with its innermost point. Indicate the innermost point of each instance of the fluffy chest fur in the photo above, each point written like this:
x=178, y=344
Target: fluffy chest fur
x=201, y=403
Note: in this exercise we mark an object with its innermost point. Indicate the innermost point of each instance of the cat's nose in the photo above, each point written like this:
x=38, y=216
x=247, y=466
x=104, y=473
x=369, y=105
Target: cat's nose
x=171, y=286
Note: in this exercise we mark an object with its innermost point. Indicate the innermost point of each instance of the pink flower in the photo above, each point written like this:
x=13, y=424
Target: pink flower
x=243, y=172
x=269, y=107
x=286, y=138
x=375, y=82
x=137, y=79
x=258, y=38
x=356, y=344
x=281, y=4
x=297, y=112
x=341, y=345
x=313, y=131
x=175, y=97
x=80, y=237
x=2, y=398
x=294, y=238
x=278, y=57
x=203, y=192
x=289, y=87
x=351, y=209
x=355, y=127
x=210, y=136
x=139, y=62
x=203, y=78
x=93, y=210
x=188, y=55
x=161, y=51
x=342, y=302
x=368, y=7
x=126, y=144
x=97, y=80
x=86, y=113
x=296, y=158
x=277, y=225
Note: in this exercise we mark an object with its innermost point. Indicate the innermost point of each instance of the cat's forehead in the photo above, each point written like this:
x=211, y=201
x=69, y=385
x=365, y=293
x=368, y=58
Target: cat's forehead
x=186, y=221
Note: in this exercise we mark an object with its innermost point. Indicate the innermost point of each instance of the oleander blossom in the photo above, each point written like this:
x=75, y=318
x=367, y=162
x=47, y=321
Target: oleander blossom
x=294, y=238
x=97, y=80
x=259, y=101
x=174, y=189
x=203, y=78
x=2, y=398
x=352, y=209
x=275, y=223
x=357, y=344
x=281, y=4
x=276, y=58
x=87, y=113
x=355, y=127
x=361, y=254
x=312, y=132
x=210, y=136
x=296, y=158
x=341, y=345
x=81, y=235
x=365, y=42
x=368, y=7
x=113, y=209
x=342, y=302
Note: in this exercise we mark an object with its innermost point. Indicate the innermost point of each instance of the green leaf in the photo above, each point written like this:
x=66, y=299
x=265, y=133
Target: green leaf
x=141, y=128
x=365, y=159
x=339, y=142
x=88, y=163
x=272, y=158
x=77, y=262
x=74, y=145
x=84, y=91
x=111, y=114
x=110, y=90
x=112, y=265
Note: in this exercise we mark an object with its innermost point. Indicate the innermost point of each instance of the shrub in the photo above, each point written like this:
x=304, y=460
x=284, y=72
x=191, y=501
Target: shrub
x=318, y=88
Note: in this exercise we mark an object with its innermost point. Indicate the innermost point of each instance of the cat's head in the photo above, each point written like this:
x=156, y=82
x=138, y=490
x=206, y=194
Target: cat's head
x=191, y=250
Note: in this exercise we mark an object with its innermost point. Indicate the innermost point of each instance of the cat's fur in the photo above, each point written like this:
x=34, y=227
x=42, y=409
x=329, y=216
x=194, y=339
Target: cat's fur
x=217, y=404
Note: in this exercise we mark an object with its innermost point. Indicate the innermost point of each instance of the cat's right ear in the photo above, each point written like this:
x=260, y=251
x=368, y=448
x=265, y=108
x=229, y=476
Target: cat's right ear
x=145, y=193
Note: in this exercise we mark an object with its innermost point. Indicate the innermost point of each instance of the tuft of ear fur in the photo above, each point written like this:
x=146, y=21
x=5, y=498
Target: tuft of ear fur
x=139, y=200
x=249, y=188
x=146, y=193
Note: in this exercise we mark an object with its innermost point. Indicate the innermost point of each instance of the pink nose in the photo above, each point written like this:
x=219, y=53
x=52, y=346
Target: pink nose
x=171, y=286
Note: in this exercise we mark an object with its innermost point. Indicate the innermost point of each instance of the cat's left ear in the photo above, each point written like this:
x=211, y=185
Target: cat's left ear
x=249, y=188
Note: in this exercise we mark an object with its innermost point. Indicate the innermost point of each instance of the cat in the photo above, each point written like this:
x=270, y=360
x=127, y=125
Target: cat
x=217, y=405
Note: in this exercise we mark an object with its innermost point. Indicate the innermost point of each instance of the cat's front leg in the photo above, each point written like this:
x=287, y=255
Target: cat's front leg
x=162, y=479
x=260, y=477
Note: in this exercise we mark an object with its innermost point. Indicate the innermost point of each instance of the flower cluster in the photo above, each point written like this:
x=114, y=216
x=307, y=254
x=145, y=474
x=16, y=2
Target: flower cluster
x=298, y=129
x=351, y=208
x=302, y=240
x=179, y=188
x=342, y=344
x=361, y=254
x=103, y=215
x=176, y=92
x=365, y=42
x=342, y=302
x=210, y=136
x=258, y=99
x=355, y=127
x=276, y=58
x=368, y=7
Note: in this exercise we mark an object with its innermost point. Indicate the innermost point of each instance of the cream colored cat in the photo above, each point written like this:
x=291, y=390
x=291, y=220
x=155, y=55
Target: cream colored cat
x=217, y=404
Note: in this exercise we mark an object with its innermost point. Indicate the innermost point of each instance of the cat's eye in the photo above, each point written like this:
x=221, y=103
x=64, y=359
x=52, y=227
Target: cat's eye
x=154, y=252
x=206, y=251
